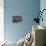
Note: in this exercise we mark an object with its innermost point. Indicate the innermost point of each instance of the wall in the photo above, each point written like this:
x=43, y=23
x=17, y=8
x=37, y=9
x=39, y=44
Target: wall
x=1, y=20
x=25, y=8
x=43, y=6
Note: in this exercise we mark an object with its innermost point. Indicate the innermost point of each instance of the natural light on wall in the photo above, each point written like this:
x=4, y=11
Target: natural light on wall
x=1, y=20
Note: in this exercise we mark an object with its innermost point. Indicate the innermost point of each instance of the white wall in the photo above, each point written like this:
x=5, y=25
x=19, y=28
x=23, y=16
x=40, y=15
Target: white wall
x=1, y=20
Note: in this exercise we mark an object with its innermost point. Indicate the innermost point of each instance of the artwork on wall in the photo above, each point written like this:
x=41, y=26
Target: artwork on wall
x=39, y=16
x=16, y=19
